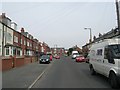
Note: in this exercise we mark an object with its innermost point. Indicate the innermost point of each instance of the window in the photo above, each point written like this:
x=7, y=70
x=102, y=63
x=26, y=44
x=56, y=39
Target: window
x=106, y=52
x=14, y=51
x=8, y=36
x=16, y=39
x=18, y=52
x=99, y=52
x=7, y=50
x=27, y=43
x=21, y=41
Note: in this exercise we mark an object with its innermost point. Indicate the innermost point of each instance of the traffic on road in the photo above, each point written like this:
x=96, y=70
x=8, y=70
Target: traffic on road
x=62, y=73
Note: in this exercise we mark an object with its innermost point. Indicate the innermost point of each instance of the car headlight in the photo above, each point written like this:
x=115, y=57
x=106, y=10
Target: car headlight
x=47, y=59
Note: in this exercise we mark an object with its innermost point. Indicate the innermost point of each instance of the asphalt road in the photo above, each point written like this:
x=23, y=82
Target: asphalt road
x=66, y=73
x=60, y=73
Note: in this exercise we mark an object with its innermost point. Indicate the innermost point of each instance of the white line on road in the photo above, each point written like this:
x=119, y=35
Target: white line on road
x=39, y=77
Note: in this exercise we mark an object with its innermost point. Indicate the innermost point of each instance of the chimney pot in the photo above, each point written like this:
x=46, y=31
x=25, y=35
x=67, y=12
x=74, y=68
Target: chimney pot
x=22, y=29
x=3, y=15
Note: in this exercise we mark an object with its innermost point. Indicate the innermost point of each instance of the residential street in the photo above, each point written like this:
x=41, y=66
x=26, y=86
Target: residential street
x=60, y=44
x=60, y=73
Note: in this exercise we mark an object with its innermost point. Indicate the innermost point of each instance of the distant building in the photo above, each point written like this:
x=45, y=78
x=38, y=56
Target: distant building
x=59, y=51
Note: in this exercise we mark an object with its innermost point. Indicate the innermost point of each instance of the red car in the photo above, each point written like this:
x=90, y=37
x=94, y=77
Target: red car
x=50, y=57
x=57, y=57
x=80, y=59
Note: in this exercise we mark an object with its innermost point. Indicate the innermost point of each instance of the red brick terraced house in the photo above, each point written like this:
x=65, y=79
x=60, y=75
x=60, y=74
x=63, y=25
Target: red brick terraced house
x=17, y=43
x=23, y=42
x=17, y=49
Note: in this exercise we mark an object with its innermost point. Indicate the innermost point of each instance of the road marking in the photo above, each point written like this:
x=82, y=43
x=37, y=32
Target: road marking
x=39, y=77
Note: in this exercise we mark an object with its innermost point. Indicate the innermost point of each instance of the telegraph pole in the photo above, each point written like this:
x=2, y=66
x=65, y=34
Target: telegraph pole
x=118, y=16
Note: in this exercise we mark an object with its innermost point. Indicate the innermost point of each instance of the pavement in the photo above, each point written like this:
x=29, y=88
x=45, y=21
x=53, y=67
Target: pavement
x=22, y=77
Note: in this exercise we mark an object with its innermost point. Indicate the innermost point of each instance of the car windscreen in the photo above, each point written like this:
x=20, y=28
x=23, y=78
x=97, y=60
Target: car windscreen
x=45, y=56
x=75, y=53
x=116, y=50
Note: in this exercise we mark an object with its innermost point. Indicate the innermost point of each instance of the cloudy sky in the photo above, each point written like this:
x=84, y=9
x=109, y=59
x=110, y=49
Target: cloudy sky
x=62, y=22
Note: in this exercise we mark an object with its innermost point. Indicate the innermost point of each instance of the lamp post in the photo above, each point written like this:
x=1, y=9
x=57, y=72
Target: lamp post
x=118, y=14
x=90, y=34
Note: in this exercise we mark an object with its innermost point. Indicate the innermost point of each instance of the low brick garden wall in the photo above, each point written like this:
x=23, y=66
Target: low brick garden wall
x=12, y=62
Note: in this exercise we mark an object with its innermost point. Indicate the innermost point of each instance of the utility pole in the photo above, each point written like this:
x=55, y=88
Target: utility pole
x=118, y=16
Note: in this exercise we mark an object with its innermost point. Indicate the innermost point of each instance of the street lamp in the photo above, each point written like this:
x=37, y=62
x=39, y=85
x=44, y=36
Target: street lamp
x=90, y=34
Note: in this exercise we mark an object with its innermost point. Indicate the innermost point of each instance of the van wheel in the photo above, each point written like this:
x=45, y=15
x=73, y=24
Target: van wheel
x=92, y=71
x=113, y=80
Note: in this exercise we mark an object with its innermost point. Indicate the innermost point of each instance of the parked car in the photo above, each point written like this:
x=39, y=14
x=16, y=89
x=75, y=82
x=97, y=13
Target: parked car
x=51, y=57
x=44, y=59
x=57, y=57
x=80, y=58
x=74, y=55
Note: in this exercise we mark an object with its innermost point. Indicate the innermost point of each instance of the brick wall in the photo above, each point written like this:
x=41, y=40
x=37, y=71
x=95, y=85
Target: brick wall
x=8, y=63
x=18, y=61
x=28, y=59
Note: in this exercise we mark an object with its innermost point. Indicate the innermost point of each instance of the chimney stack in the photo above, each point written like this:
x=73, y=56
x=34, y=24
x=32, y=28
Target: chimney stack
x=22, y=30
x=3, y=15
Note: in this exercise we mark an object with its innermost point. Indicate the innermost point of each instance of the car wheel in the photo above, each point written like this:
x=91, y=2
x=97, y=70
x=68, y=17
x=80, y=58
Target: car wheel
x=92, y=71
x=113, y=80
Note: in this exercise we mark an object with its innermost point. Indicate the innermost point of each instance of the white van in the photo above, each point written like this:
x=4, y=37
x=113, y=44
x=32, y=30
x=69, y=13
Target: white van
x=74, y=54
x=105, y=59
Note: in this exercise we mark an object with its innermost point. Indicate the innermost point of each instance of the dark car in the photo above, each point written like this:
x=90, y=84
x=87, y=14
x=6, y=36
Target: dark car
x=44, y=59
